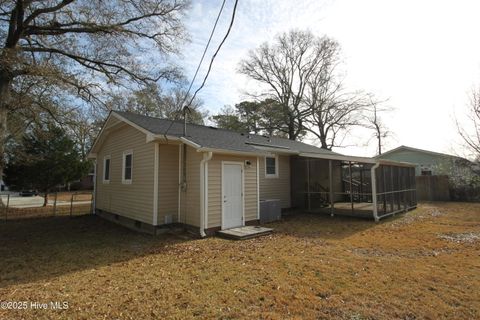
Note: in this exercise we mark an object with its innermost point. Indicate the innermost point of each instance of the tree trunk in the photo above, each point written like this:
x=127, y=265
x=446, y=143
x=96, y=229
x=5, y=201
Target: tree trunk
x=291, y=129
x=323, y=142
x=379, y=145
x=45, y=199
x=5, y=82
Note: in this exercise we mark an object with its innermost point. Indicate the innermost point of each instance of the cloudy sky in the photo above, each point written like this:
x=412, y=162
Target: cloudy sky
x=424, y=56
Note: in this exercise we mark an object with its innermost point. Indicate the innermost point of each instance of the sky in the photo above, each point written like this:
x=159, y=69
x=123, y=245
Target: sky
x=423, y=56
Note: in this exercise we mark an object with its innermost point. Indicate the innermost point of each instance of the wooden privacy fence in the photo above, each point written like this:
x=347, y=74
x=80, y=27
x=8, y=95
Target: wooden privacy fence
x=60, y=204
x=433, y=188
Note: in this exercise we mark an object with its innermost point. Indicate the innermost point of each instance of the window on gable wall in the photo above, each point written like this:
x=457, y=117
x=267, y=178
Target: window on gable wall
x=106, y=169
x=271, y=167
x=127, y=167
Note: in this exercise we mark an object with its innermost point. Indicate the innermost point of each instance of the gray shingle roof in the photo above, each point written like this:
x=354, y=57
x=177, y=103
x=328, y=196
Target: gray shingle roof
x=216, y=138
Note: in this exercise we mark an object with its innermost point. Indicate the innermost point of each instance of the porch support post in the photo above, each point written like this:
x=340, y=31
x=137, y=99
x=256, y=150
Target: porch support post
x=373, y=177
x=384, y=191
x=361, y=184
x=330, y=180
x=308, y=184
x=393, y=201
x=351, y=183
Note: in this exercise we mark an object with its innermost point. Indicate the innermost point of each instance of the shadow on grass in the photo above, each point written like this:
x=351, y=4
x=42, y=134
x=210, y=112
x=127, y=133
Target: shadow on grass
x=324, y=226
x=41, y=248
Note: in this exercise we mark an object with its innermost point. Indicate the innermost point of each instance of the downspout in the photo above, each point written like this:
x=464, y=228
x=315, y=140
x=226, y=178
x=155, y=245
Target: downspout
x=156, y=160
x=374, y=190
x=94, y=206
x=179, y=209
x=204, y=191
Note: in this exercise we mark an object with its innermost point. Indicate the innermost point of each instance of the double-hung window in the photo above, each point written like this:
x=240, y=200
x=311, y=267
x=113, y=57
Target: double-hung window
x=106, y=169
x=127, y=167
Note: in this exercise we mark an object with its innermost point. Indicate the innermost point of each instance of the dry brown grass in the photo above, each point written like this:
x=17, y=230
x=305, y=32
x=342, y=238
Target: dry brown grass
x=67, y=196
x=312, y=267
x=48, y=211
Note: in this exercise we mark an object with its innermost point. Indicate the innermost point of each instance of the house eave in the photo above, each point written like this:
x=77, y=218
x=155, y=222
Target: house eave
x=337, y=157
x=231, y=152
x=277, y=150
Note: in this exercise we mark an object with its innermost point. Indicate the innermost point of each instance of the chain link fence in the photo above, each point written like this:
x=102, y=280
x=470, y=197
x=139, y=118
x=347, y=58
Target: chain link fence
x=14, y=206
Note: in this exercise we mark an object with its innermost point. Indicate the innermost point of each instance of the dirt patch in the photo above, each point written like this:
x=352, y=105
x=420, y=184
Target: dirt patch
x=422, y=213
x=410, y=254
x=469, y=237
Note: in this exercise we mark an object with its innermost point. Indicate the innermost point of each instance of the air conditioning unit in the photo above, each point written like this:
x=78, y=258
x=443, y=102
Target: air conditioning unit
x=270, y=210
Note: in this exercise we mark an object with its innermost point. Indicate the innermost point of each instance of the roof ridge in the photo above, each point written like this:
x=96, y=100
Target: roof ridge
x=159, y=123
x=208, y=126
x=419, y=150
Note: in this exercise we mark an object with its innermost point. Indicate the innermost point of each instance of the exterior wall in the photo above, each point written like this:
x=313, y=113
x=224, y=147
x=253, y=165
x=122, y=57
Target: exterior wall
x=436, y=163
x=276, y=188
x=133, y=200
x=215, y=188
x=190, y=197
x=168, y=183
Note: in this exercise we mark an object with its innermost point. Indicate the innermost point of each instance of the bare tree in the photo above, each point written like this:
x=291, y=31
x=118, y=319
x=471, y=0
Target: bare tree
x=471, y=134
x=334, y=110
x=373, y=121
x=81, y=47
x=284, y=68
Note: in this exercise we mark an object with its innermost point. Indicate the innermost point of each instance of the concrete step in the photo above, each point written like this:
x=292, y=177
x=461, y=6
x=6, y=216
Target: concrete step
x=242, y=233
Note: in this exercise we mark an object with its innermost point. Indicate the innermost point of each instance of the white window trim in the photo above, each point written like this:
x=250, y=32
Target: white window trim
x=271, y=176
x=109, y=169
x=125, y=153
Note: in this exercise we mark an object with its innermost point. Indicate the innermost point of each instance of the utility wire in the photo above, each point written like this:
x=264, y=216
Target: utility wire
x=204, y=52
x=216, y=52
x=200, y=63
x=211, y=61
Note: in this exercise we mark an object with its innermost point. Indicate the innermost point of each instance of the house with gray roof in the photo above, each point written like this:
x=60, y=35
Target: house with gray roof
x=427, y=162
x=152, y=172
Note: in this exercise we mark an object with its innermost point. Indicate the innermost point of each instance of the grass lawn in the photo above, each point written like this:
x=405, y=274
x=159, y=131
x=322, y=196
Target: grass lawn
x=67, y=196
x=421, y=265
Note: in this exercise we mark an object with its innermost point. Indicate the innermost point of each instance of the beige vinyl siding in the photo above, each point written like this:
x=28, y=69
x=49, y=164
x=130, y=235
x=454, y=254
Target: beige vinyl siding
x=190, y=199
x=133, y=200
x=168, y=182
x=215, y=188
x=276, y=188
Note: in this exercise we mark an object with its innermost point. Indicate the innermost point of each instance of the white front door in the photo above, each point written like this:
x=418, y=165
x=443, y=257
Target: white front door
x=232, y=192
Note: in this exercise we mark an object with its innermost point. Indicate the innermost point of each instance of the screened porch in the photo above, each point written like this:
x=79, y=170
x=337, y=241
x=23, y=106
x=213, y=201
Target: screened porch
x=353, y=186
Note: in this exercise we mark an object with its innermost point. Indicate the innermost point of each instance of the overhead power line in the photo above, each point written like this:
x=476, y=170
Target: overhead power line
x=211, y=61
x=204, y=52
x=216, y=52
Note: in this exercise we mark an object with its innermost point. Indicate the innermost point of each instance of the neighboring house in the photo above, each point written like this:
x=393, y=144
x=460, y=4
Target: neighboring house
x=426, y=162
x=150, y=173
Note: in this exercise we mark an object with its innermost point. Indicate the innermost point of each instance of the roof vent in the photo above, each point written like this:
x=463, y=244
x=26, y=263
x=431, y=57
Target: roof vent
x=242, y=134
x=212, y=128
